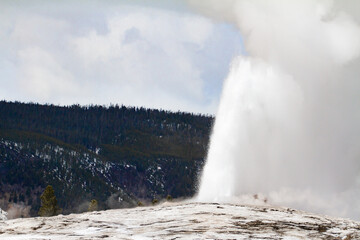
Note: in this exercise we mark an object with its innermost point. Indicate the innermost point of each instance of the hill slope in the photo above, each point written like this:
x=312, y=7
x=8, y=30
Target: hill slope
x=184, y=221
x=117, y=155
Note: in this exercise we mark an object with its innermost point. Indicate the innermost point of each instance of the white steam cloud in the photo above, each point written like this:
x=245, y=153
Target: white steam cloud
x=288, y=124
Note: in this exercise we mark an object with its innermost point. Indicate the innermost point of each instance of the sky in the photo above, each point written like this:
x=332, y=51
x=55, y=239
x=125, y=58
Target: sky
x=156, y=54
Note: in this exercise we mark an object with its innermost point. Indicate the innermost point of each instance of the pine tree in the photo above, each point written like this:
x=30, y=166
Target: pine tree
x=93, y=205
x=49, y=206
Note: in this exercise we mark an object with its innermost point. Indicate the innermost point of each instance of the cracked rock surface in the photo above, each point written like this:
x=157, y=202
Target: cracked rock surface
x=185, y=221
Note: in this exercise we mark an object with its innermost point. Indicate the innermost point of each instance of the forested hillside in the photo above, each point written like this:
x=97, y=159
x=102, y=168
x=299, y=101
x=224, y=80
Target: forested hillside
x=117, y=155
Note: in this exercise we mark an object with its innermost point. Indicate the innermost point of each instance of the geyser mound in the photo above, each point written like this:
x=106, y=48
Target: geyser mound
x=288, y=124
x=183, y=221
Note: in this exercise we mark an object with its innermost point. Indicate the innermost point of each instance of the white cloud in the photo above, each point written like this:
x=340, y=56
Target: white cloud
x=42, y=77
x=147, y=55
x=122, y=54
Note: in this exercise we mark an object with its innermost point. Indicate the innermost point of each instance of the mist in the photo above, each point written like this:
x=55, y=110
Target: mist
x=288, y=121
x=18, y=210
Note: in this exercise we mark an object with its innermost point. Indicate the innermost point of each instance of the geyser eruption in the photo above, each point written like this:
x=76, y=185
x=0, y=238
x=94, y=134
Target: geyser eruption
x=288, y=124
x=252, y=122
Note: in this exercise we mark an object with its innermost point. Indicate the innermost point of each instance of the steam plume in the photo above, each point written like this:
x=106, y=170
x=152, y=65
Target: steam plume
x=288, y=124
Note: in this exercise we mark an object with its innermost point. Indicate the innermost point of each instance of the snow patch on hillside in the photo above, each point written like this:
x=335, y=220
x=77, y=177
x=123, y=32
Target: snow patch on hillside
x=3, y=215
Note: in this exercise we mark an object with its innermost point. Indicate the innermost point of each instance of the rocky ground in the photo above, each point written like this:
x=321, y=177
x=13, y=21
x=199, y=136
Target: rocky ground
x=184, y=221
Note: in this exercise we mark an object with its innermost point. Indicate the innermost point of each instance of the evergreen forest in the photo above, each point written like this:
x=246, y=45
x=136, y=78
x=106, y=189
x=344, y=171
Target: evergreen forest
x=121, y=156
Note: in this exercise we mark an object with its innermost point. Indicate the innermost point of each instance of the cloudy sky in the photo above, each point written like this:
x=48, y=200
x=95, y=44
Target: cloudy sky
x=157, y=54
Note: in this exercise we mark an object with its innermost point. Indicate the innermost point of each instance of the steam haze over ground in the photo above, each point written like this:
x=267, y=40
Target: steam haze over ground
x=288, y=121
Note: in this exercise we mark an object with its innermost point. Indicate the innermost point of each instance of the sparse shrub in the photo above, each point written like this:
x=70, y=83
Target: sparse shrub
x=169, y=198
x=49, y=206
x=140, y=204
x=155, y=201
x=93, y=206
